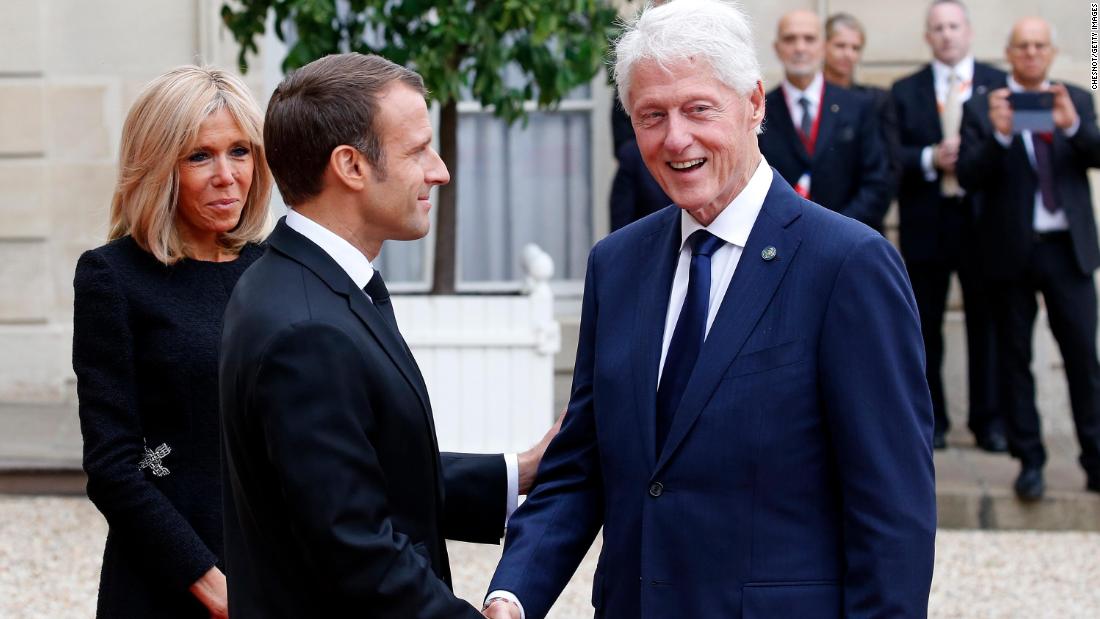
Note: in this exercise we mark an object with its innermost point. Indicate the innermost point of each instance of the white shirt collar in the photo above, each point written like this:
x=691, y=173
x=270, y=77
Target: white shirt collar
x=964, y=69
x=1015, y=86
x=812, y=92
x=354, y=263
x=735, y=222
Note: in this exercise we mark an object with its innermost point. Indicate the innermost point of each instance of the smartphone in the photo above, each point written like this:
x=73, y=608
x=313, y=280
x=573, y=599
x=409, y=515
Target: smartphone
x=1033, y=111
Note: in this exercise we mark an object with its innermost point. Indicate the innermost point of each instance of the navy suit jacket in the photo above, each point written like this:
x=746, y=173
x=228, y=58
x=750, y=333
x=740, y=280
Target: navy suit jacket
x=1004, y=183
x=796, y=479
x=849, y=169
x=919, y=126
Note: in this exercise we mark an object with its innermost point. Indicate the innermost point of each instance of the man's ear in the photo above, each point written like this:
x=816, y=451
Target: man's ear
x=756, y=100
x=349, y=167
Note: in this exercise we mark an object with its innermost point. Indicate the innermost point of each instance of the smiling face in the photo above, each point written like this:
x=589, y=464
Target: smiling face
x=215, y=175
x=697, y=135
x=398, y=190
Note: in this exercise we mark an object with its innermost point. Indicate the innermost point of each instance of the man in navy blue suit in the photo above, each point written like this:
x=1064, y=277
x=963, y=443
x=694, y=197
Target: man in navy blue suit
x=823, y=139
x=749, y=421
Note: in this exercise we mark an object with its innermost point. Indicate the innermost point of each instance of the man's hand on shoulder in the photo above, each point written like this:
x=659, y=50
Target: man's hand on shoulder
x=529, y=460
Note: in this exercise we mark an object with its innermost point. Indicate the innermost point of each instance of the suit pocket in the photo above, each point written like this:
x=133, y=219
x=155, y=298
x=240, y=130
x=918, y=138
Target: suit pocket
x=806, y=600
x=767, y=359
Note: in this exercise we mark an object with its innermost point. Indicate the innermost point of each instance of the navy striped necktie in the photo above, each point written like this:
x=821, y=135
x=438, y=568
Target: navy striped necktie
x=687, y=338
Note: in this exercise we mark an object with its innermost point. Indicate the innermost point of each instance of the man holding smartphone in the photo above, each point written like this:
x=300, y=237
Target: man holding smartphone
x=1025, y=153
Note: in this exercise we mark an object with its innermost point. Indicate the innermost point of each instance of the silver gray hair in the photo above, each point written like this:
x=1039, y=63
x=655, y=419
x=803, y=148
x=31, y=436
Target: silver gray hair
x=715, y=31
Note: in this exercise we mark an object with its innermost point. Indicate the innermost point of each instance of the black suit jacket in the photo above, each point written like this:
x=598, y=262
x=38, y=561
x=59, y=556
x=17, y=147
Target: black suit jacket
x=1005, y=183
x=336, y=497
x=848, y=170
x=634, y=191
x=886, y=115
x=918, y=118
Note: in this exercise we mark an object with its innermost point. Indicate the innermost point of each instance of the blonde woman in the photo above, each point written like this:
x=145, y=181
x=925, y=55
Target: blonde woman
x=188, y=213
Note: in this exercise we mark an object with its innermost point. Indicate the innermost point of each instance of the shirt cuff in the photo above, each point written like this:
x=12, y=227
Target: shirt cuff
x=1072, y=130
x=926, y=164
x=1002, y=139
x=511, y=463
x=507, y=595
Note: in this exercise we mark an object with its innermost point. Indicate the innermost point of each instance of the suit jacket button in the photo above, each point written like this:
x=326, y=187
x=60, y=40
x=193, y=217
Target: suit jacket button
x=656, y=489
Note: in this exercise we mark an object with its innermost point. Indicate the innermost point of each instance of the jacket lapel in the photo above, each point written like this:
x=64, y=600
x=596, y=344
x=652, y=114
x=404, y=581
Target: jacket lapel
x=779, y=119
x=928, y=105
x=650, y=318
x=287, y=241
x=390, y=341
x=750, y=292
x=830, y=110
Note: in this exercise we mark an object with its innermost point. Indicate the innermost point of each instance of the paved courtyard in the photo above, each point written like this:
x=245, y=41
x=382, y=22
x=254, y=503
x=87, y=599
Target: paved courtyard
x=50, y=552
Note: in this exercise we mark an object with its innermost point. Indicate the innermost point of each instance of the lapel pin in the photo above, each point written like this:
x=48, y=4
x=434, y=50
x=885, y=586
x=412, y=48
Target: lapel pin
x=834, y=108
x=768, y=254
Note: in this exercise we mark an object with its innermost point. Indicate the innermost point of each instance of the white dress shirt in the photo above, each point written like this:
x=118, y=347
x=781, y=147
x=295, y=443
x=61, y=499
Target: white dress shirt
x=1042, y=219
x=812, y=93
x=732, y=225
x=360, y=270
x=941, y=73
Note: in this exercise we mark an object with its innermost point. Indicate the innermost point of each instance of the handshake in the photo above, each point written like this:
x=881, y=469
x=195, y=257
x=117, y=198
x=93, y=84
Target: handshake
x=501, y=608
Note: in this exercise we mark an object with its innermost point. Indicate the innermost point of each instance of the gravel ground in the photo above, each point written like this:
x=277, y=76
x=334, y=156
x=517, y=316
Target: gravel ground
x=50, y=551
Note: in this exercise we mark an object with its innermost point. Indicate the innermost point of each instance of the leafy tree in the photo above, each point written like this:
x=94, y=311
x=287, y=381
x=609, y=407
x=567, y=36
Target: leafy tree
x=552, y=45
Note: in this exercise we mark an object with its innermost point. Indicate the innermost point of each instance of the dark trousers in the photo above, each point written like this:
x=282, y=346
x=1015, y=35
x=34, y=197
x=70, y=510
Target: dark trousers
x=1070, y=299
x=931, y=281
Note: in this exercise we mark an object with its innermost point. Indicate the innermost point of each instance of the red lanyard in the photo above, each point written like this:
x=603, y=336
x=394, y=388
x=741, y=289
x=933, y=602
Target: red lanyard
x=809, y=141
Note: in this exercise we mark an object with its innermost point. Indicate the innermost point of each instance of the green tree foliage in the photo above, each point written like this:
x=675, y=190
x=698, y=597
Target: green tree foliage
x=553, y=46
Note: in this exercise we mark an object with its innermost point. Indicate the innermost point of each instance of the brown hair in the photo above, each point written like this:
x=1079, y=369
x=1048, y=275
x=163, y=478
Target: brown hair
x=845, y=20
x=160, y=128
x=328, y=103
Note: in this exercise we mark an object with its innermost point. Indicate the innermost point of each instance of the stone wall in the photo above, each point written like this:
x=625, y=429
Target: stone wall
x=69, y=70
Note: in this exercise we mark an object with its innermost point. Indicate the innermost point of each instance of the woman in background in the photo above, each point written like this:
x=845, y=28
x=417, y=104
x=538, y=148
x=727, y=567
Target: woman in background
x=189, y=211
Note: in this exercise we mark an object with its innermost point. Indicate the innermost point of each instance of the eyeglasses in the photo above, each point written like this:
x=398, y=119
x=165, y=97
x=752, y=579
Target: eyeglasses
x=1030, y=46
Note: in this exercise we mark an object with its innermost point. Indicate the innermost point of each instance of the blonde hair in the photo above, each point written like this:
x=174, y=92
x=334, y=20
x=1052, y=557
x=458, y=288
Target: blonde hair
x=160, y=128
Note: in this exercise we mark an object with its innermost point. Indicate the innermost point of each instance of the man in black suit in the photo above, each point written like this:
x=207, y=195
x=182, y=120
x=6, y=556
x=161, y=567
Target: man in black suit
x=823, y=139
x=337, y=499
x=1038, y=234
x=937, y=219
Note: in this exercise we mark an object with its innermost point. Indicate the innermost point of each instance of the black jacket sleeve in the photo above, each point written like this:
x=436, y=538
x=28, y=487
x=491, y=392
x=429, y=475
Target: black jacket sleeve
x=139, y=515
x=476, y=487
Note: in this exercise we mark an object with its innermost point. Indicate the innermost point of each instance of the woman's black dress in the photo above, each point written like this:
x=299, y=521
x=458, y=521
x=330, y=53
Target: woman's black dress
x=145, y=352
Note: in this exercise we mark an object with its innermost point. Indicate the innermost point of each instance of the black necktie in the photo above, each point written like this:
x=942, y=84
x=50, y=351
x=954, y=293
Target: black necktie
x=806, y=126
x=687, y=338
x=380, y=296
x=1041, y=145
